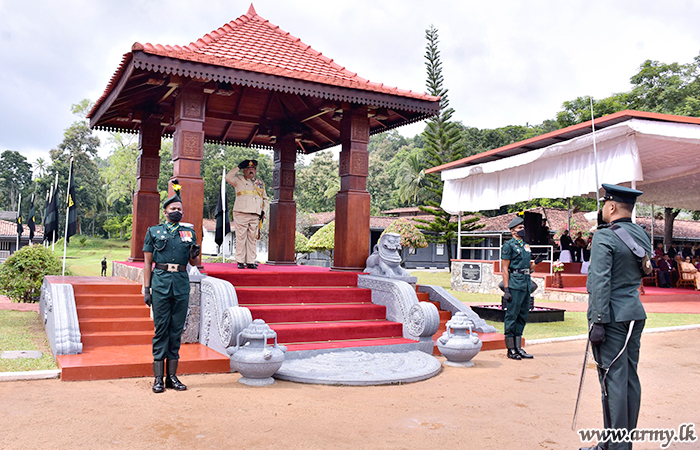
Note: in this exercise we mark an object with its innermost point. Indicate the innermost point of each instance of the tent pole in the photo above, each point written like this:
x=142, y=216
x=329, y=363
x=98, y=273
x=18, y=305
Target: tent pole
x=595, y=159
x=634, y=210
x=459, y=235
x=652, y=227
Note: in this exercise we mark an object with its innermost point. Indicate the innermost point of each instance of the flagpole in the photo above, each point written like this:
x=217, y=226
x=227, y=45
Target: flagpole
x=65, y=235
x=30, y=210
x=595, y=159
x=53, y=233
x=43, y=220
x=225, y=217
x=19, y=219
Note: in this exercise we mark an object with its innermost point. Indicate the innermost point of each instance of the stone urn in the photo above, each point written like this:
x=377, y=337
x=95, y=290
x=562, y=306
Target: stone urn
x=458, y=346
x=255, y=360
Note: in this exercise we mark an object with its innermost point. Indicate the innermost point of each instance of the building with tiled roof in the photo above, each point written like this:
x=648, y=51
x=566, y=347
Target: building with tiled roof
x=8, y=237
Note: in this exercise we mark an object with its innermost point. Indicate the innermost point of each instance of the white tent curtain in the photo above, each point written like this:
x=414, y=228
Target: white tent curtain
x=567, y=169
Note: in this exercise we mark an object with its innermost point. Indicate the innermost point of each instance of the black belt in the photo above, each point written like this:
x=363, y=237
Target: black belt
x=172, y=267
x=520, y=271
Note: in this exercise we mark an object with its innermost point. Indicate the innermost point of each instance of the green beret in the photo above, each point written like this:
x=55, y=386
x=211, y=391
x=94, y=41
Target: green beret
x=515, y=222
x=176, y=196
x=172, y=199
x=620, y=194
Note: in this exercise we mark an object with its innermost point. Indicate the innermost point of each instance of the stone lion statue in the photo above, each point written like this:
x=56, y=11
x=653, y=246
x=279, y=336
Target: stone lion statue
x=385, y=260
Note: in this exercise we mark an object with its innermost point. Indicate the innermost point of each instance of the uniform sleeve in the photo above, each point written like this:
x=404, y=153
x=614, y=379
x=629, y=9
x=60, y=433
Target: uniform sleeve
x=266, y=201
x=600, y=278
x=148, y=242
x=507, y=251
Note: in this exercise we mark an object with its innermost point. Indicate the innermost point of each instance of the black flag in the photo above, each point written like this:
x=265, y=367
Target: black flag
x=51, y=221
x=72, y=218
x=223, y=226
x=30, y=224
x=20, y=228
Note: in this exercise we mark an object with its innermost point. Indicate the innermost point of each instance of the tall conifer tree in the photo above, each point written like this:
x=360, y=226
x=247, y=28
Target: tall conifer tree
x=442, y=145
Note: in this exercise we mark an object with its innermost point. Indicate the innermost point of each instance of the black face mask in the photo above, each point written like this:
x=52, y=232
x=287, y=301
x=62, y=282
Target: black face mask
x=521, y=233
x=175, y=216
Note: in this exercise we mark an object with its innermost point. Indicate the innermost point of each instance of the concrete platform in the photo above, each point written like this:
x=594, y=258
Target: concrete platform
x=357, y=368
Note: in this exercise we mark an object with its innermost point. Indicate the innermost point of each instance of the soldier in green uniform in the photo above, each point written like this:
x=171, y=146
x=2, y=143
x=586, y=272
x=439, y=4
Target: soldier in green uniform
x=516, y=267
x=615, y=313
x=167, y=287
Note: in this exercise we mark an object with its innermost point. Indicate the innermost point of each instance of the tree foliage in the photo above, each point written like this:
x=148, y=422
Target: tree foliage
x=313, y=181
x=442, y=136
x=324, y=240
x=441, y=230
x=22, y=274
x=15, y=177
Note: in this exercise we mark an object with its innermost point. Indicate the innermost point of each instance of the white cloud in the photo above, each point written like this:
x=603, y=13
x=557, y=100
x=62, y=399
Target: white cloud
x=505, y=62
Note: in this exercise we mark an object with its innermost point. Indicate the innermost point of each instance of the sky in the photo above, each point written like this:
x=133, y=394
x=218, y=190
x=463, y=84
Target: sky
x=504, y=62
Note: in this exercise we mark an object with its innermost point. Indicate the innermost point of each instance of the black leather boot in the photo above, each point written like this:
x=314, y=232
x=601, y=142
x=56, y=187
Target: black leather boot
x=241, y=266
x=512, y=352
x=158, y=366
x=252, y=266
x=171, y=381
x=518, y=348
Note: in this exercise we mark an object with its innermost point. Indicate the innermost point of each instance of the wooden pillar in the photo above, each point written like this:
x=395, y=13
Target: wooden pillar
x=353, y=201
x=283, y=208
x=146, y=205
x=188, y=150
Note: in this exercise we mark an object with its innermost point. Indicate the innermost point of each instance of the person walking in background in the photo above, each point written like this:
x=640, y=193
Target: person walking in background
x=104, y=267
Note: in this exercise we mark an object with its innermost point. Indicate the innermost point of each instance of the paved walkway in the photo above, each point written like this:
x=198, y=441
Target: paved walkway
x=7, y=304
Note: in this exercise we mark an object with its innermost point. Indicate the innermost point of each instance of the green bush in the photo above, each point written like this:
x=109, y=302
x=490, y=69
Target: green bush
x=324, y=239
x=22, y=274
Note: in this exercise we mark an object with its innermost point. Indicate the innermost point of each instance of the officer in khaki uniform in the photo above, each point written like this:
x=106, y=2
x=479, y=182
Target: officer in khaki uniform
x=516, y=267
x=167, y=288
x=615, y=313
x=248, y=210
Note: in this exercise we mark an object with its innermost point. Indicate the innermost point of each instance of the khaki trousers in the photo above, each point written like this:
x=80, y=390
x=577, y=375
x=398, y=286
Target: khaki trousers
x=246, y=225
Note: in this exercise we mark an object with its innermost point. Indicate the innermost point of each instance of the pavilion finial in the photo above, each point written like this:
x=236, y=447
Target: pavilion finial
x=251, y=10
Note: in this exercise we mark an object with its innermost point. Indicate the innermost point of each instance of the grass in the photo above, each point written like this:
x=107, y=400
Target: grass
x=574, y=322
x=86, y=260
x=24, y=331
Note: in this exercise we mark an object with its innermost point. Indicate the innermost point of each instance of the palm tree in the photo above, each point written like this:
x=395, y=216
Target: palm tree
x=40, y=166
x=411, y=178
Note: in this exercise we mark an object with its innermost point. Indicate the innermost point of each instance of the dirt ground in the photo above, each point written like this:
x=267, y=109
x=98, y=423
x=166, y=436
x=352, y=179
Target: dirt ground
x=498, y=404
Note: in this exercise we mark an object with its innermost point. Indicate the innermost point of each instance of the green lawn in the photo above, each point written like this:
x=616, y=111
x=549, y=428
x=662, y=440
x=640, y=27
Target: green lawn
x=574, y=322
x=24, y=331
x=84, y=260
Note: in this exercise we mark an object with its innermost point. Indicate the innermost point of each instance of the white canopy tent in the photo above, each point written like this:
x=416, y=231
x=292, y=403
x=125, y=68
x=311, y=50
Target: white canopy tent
x=660, y=157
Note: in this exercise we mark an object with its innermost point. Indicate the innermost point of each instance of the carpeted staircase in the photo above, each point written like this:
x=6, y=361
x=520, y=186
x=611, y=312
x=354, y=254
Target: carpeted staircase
x=311, y=308
x=117, y=333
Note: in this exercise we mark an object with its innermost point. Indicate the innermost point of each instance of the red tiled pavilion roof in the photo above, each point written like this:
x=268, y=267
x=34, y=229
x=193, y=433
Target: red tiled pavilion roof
x=251, y=43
